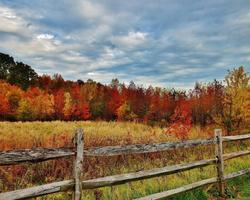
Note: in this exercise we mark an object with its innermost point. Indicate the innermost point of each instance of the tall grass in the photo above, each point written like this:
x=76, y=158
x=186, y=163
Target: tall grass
x=56, y=134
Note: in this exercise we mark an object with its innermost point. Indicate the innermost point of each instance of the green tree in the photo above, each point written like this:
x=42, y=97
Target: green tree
x=22, y=75
x=5, y=63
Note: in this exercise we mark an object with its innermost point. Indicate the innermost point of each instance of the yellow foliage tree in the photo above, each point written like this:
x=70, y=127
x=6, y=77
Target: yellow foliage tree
x=67, y=110
x=124, y=112
x=24, y=111
x=236, y=99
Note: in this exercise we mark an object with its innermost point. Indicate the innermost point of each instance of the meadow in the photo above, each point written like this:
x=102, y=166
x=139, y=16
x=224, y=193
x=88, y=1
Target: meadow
x=19, y=135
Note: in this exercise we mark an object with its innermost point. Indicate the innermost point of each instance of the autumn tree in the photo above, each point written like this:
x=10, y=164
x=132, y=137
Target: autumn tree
x=44, y=103
x=57, y=82
x=235, y=102
x=24, y=111
x=124, y=112
x=181, y=119
x=114, y=103
x=4, y=106
x=59, y=103
x=44, y=82
x=80, y=111
x=206, y=102
x=67, y=110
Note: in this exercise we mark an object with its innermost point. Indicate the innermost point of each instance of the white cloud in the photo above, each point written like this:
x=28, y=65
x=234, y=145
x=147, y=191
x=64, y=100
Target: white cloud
x=45, y=36
x=91, y=10
x=131, y=40
x=137, y=35
x=242, y=19
x=9, y=22
x=91, y=73
x=7, y=13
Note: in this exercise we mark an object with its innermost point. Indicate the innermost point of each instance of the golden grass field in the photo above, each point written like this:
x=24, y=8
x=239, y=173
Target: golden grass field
x=18, y=135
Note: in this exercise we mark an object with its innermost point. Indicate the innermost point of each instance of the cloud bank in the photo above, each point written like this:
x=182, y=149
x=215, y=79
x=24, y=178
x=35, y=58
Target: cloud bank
x=161, y=43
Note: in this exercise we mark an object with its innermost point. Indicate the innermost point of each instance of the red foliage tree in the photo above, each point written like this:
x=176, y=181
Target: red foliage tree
x=4, y=106
x=81, y=111
x=181, y=120
x=59, y=103
x=114, y=103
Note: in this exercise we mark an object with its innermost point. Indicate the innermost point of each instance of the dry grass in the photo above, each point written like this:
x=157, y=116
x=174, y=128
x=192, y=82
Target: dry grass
x=55, y=134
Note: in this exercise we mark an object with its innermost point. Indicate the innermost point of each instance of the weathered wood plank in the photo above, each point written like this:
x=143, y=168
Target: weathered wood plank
x=78, y=165
x=235, y=154
x=69, y=184
x=102, y=182
x=38, y=190
x=42, y=154
x=170, y=193
x=144, y=148
x=236, y=174
x=33, y=155
x=235, y=137
x=124, y=178
x=220, y=162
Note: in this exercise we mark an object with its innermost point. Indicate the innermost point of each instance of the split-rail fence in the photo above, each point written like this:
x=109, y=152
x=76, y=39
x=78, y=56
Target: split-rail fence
x=79, y=152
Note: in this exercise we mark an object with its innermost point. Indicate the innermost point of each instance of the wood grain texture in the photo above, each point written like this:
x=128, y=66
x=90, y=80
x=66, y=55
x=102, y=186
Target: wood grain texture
x=124, y=178
x=43, y=154
x=170, y=193
x=33, y=155
x=236, y=137
x=38, y=190
x=78, y=165
x=220, y=162
x=144, y=148
x=235, y=154
x=69, y=185
x=236, y=174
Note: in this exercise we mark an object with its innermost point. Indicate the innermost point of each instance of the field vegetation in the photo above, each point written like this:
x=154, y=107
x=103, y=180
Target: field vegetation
x=26, y=96
x=19, y=135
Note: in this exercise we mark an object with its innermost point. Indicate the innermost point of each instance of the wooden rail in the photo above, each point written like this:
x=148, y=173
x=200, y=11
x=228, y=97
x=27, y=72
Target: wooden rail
x=76, y=184
x=185, y=188
x=42, y=154
x=33, y=155
x=144, y=148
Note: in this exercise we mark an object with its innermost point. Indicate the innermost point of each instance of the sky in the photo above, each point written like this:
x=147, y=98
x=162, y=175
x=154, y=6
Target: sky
x=164, y=43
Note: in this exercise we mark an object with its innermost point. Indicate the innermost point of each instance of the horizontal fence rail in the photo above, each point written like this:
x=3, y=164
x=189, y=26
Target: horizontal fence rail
x=170, y=193
x=235, y=138
x=67, y=185
x=42, y=154
x=135, y=176
x=33, y=155
x=144, y=148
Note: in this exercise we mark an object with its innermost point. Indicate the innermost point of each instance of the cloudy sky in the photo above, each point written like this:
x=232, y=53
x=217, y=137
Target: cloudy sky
x=165, y=43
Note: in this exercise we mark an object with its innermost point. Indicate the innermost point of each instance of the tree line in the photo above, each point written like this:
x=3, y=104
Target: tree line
x=26, y=96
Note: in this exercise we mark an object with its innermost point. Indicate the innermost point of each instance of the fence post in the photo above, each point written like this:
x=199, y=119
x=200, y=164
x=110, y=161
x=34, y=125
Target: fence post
x=219, y=162
x=78, y=164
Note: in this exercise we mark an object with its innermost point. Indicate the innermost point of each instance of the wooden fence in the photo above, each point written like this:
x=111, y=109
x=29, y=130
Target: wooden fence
x=77, y=184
